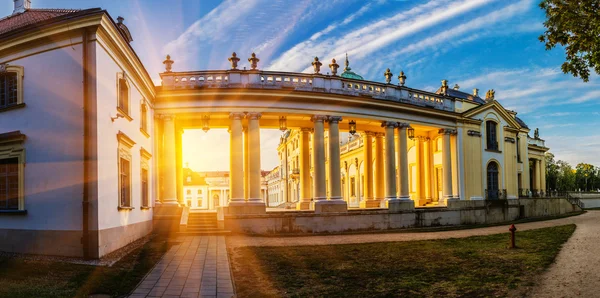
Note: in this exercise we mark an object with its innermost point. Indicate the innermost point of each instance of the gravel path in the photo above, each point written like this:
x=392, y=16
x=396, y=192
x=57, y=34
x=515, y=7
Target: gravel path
x=240, y=240
x=576, y=271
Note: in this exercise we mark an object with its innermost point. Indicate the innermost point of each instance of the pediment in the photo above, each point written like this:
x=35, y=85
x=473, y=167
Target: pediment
x=482, y=111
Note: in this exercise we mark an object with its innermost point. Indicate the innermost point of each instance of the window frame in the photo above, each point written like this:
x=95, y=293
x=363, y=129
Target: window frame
x=11, y=146
x=20, y=73
x=124, y=152
x=488, y=136
x=125, y=110
x=145, y=157
x=144, y=118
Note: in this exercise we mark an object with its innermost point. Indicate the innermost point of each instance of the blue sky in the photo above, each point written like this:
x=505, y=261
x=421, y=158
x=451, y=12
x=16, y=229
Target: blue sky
x=481, y=44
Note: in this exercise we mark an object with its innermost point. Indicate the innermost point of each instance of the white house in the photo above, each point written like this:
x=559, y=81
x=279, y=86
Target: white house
x=76, y=134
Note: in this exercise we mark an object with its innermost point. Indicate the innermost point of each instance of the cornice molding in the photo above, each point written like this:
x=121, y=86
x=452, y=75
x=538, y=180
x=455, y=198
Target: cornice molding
x=125, y=140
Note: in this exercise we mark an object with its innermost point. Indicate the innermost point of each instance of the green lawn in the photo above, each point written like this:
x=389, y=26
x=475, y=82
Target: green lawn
x=28, y=278
x=468, y=267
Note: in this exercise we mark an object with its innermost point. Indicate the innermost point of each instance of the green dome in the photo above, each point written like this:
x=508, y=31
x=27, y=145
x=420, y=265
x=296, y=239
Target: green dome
x=348, y=73
x=351, y=75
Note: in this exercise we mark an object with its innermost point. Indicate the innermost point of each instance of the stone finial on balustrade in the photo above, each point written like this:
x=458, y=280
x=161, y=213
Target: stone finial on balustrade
x=168, y=63
x=317, y=65
x=490, y=95
x=444, y=87
x=234, y=60
x=401, y=78
x=334, y=67
x=388, y=76
x=253, y=61
x=475, y=92
x=456, y=87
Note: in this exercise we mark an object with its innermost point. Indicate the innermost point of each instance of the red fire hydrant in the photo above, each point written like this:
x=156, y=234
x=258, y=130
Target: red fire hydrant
x=512, y=230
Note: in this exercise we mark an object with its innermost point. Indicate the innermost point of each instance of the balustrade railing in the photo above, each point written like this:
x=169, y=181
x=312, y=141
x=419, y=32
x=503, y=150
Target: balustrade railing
x=495, y=194
x=303, y=82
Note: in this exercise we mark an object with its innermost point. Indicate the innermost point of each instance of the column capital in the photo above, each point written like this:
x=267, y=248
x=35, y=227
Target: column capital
x=236, y=116
x=422, y=138
x=335, y=119
x=167, y=117
x=318, y=118
x=446, y=131
x=404, y=125
x=389, y=124
x=306, y=129
x=379, y=134
x=368, y=133
x=253, y=115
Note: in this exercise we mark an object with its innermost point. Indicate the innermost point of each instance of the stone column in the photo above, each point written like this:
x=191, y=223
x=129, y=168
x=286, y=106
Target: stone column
x=246, y=165
x=538, y=178
x=335, y=179
x=403, y=161
x=421, y=186
x=236, y=164
x=319, y=189
x=368, y=200
x=256, y=204
x=446, y=165
x=379, y=177
x=304, y=200
x=170, y=169
x=390, y=162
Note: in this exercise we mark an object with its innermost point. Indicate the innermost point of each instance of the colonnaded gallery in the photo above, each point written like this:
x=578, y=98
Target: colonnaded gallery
x=91, y=160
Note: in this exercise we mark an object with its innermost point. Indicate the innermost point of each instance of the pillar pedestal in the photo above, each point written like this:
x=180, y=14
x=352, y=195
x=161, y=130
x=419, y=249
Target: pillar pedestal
x=327, y=206
x=400, y=205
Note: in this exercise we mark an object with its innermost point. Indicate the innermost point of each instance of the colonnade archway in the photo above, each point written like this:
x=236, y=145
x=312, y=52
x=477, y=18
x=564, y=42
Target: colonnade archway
x=331, y=175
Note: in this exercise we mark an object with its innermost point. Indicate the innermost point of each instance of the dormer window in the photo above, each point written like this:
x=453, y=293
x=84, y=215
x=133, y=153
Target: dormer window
x=491, y=135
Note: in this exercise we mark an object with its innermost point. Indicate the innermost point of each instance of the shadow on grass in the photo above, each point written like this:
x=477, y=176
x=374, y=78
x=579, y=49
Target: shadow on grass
x=479, y=266
x=41, y=278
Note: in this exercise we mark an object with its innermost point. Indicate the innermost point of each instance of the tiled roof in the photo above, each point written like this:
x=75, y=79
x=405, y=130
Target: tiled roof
x=521, y=122
x=462, y=95
x=31, y=16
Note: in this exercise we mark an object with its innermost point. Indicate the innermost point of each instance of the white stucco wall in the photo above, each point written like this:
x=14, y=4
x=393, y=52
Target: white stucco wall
x=53, y=123
x=108, y=186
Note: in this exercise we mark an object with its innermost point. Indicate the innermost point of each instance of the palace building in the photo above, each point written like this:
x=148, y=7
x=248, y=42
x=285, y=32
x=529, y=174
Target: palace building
x=90, y=147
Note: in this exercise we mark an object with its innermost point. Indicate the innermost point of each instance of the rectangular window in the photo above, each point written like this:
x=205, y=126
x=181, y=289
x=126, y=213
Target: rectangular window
x=143, y=121
x=8, y=89
x=9, y=184
x=145, y=199
x=125, y=183
x=352, y=187
x=518, y=149
x=492, y=141
x=123, y=96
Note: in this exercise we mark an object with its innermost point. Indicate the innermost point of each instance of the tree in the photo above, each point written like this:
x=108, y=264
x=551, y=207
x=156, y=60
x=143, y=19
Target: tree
x=552, y=172
x=574, y=25
x=566, y=176
x=585, y=173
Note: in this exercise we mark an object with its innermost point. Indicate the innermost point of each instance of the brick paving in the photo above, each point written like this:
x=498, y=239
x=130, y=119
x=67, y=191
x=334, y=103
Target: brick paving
x=197, y=267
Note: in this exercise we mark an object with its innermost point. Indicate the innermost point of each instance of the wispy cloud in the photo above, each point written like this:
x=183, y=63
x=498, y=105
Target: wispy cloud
x=367, y=39
x=242, y=26
x=440, y=40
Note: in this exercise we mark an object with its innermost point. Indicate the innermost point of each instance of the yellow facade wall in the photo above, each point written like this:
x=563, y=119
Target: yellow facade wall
x=472, y=163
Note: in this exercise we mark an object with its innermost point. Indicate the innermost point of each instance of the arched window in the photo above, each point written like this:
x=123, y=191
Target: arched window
x=491, y=135
x=492, y=181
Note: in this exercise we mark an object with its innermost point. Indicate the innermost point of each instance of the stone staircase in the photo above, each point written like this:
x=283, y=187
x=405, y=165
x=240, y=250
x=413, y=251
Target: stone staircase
x=201, y=223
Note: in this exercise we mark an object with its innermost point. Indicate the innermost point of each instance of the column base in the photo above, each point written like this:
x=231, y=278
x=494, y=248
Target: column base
x=444, y=201
x=399, y=205
x=369, y=203
x=244, y=207
x=326, y=206
x=303, y=205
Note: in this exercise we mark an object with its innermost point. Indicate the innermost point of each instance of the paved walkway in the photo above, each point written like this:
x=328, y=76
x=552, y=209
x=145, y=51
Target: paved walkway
x=197, y=267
